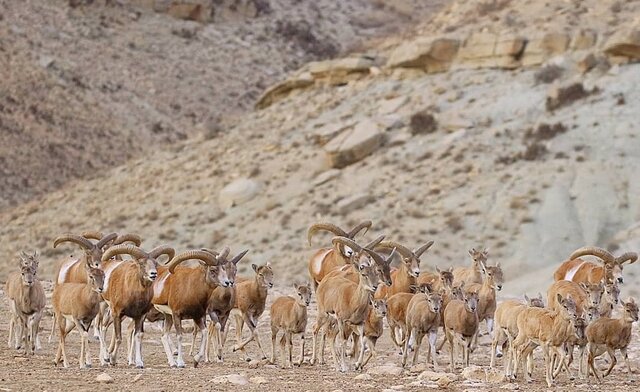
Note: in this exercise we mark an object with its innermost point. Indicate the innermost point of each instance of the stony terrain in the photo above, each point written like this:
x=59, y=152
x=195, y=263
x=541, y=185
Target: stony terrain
x=505, y=124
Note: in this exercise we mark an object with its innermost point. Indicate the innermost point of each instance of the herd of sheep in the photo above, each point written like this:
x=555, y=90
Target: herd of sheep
x=355, y=290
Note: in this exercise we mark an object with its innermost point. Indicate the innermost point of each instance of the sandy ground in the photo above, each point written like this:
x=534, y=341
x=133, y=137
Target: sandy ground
x=18, y=372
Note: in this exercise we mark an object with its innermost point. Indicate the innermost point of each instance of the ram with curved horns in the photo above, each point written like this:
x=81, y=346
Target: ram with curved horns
x=326, y=260
x=72, y=269
x=580, y=270
x=405, y=276
x=128, y=290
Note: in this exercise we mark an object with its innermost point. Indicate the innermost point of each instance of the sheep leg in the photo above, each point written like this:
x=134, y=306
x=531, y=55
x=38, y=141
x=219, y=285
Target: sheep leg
x=274, y=335
x=581, y=358
x=416, y=350
x=117, y=339
x=130, y=343
x=35, y=328
x=83, y=343
x=626, y=360
x=221, y=331
x=12, y=323
x=547, y=364
x=433, y=335
x=407, y=346
x=355, y=338
x=591, y=362
x=194, y=337
x=104, y=358
x=166, y=344
x=612, y=354
x=360, y=333
x=64, y=330
x=200, y=324
x=282, y=344
x=139, y=334
x=449, y=338
x=287, y=352
x=177, y=323
x=342, y=346
x=314, y=337
x=301, y=361
x=53, y=329
x=371, y=344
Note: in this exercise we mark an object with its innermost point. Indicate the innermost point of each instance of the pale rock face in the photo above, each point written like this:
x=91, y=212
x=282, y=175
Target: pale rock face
x=238, y=192
x=353, y=145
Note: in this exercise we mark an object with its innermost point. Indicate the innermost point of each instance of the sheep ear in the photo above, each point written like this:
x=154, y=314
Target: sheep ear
x=414, y=288
x=559, y=297
x=526, y=298
x=451, y=269
x=584, y=286
x=437, y=269
x=498, y=264
x=540, y=296
x=255, y=267
x=428, y=287
x=268, y=264
x=472, y=251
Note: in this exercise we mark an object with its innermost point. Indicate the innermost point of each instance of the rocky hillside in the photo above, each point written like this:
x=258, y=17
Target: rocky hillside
x=87, y=85
x=526, y=144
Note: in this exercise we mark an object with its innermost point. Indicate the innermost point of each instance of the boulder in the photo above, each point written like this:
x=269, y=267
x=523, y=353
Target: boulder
x=429, y=54
x=495, y=376
x=339, y=66
x=104, y=378
x=584, y=39
x=326, y=176
x=324, y=134
x=198, y=11
x=386, y=370
x=238, y=192
x=488, y=50
x=624, y=42
x=474, y=373
x=543, y=47
x=353, y=202
x=354, y=144
x=565, y=95
x=282, y=89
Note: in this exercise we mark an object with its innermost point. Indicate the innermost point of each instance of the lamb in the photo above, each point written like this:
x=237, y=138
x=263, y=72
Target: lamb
x=441, y=280
x=546, y=328
x=289, y=315
x=251, y=297
x=27, y=301
x=461, y=325
x=492, y=282
x=373, y=329
x=473, y=273
x=423, y=317
x=579, y=270
x=397, y=313
x=607, y=334
x=75, y=305
x=506, y=328
x=584, y=294
x=405, y=276
x=610, y=298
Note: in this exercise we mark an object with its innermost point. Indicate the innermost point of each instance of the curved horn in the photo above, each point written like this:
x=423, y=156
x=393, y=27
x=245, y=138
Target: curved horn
x=239, y=256
x=129, y=237
x=124, y=249
x=418, y=252
x=344, y=241
x=593, y=251
x=366, y=225
x=83, y=242
x=372, y=244
x=378, y=258
x=92, y=235
x=326, y=227
x=631, y=257
x=162, y=250
x=403, y=250
x=107, y=238
x=205, y=256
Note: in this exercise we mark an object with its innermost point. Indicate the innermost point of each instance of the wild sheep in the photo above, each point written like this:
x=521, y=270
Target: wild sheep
x=473, y=273
x=128, y=290
x=610, y=298
x=423, y=318
x=326, y=260
x=461, y=325
x=373, y=329
x=607, y=334
x=492, y=282
x=584, y=294
x=546, y=328
x=397, y=313
x=26, y=301
x=579, y=270
x=75, y=305
x=289, y=315
x=506, y=328
x=405, y=276
x=347, y=303
x=251, y=298
x=440, y=280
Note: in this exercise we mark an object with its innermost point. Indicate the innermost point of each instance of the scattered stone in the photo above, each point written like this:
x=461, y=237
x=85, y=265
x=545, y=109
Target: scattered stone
x=254, y=364
x=353, y=202
x=454, y=121
x=548, y=74
x=282, y=89
x=435, y=376
x=393, y=105
x=237, y=379
x=429, y=54
x=389, y=370
x=354, y=145
x=510, y=386
x=324, y=134
x=543, y=47
x=444, y=382
x=238, y=192
x=339, y=67
x=363, y=377
x=495, y=376
x=488, y=50
x=474, y=373
x=561, y=96
x=190, y=11
x=584, y=39
x=587, y=63
x=258, y=380
x=104, y=378
x=326, y=176
x=137, y=378
x=624, y=42
x=422, y=123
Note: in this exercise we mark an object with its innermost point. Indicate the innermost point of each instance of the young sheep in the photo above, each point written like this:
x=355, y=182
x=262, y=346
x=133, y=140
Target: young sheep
x=584, y=294
x=610, y=298
x=251, y=297
x=27, y=301
x=492, y=282
x=460, y=325
x=326, y=260
x=473, y=273
x=347, y=303
x=423, y=318
x=441, y=280
x=549, y=329
x=373, y=329
x=579, y=270
x=506, y=328
x=397, y=313
x=289, y=315
x=607, y=334
x=405, y=276
x=76, y=305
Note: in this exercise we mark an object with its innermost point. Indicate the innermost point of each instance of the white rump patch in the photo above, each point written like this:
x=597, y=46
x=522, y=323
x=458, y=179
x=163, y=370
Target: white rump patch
x=316, y=265
x=164, y=309
x=64, y=270
x=108, y=270
x=572, y=272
